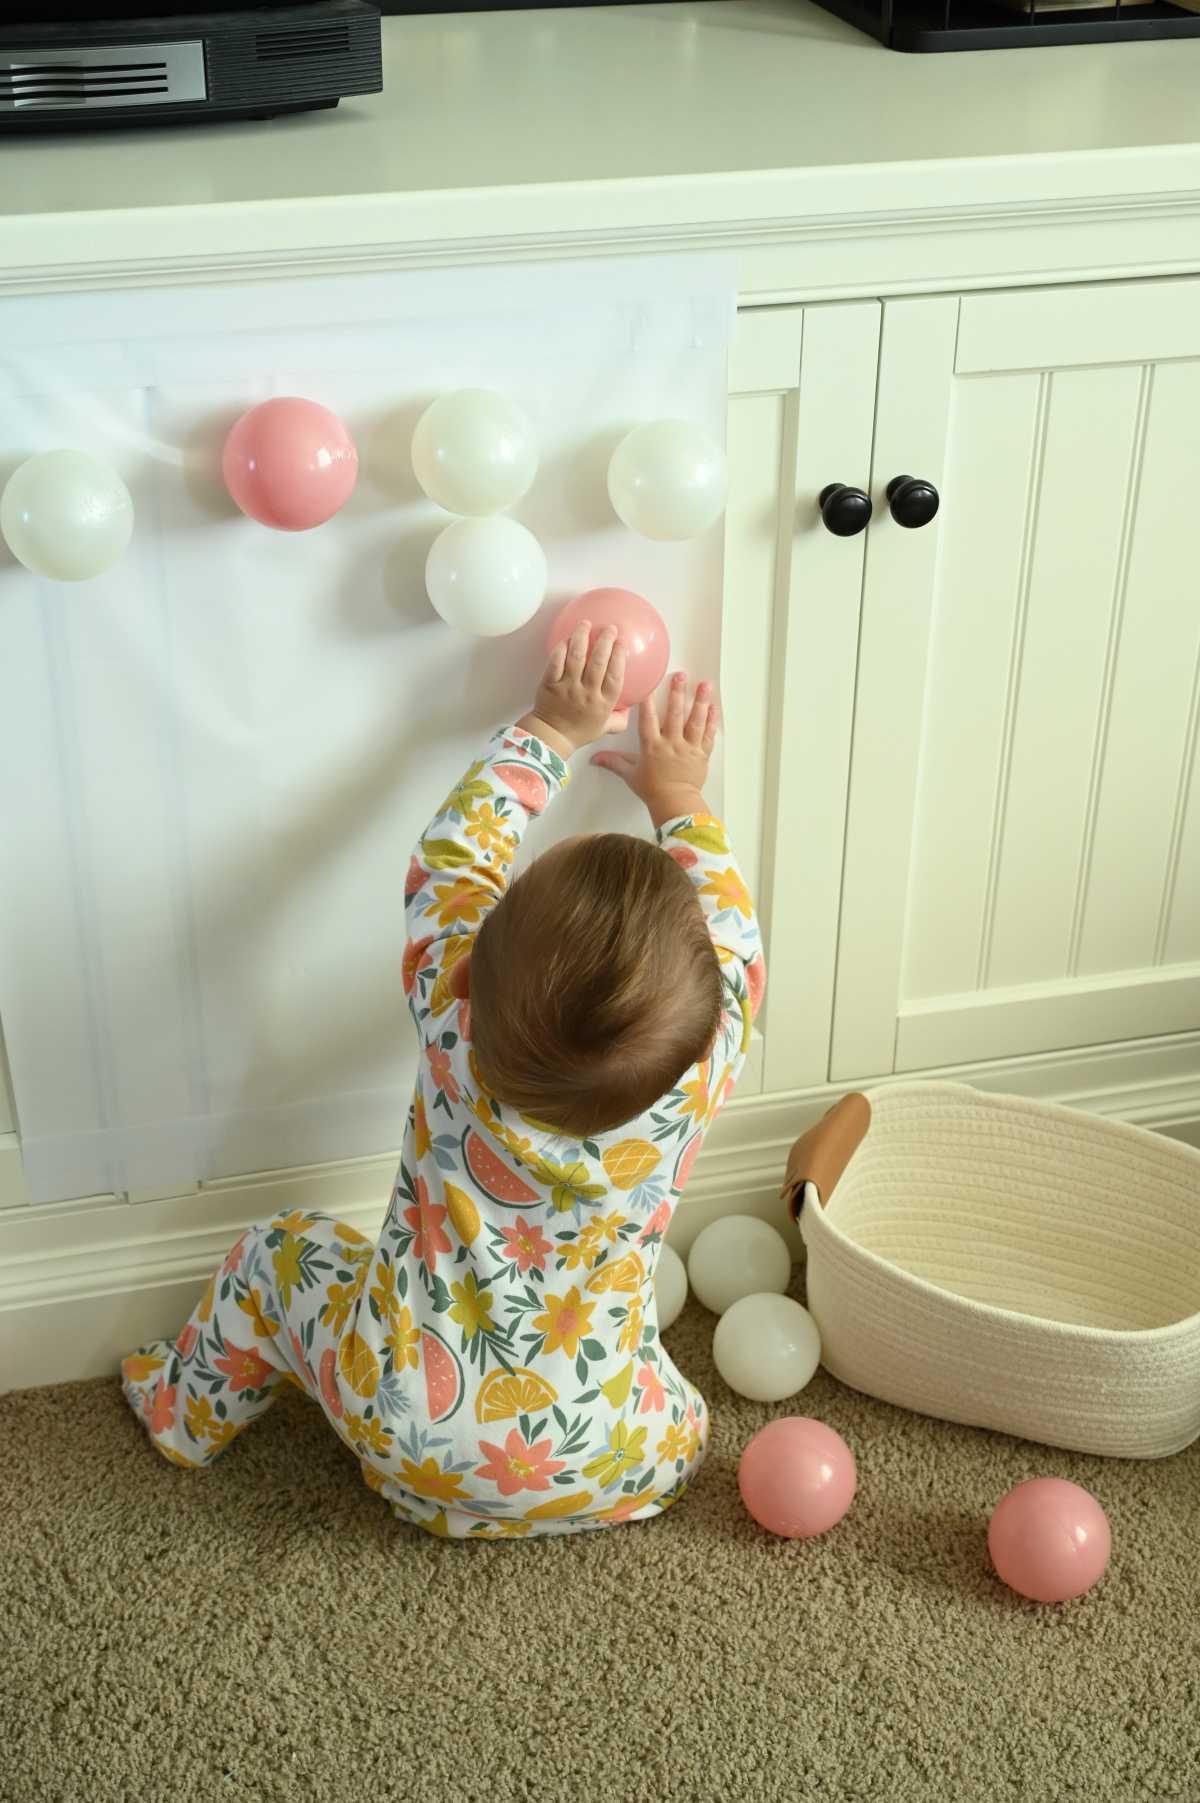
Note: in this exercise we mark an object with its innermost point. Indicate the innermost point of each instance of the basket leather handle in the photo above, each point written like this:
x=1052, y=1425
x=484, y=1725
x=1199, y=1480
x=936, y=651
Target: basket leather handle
x=821, y=1155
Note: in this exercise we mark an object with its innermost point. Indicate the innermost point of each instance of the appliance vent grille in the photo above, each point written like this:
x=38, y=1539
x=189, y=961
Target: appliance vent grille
x=309, y=40
x=60, y=84
x=41, y=78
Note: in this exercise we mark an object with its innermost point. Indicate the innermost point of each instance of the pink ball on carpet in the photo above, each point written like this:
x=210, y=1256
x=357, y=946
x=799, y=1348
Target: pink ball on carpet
x=640, y=628
x=290, y=463
x=797, y=1477
x=1049, y=1539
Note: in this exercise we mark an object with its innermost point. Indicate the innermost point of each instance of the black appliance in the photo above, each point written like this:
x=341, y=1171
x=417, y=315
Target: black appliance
x=950, y=24
x=1011, y=24
x=71, y=63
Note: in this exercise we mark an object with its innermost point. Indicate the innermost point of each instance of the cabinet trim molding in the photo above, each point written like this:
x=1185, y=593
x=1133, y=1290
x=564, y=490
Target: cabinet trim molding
x=793, y=244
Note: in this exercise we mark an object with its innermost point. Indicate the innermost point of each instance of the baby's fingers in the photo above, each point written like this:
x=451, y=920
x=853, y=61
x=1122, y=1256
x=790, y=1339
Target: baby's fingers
x=577, y=649
x=619, y=762
x=648, y=729
x=710, y=731
x=599, y=653
x=612, y=678
x=676, y=705
x=693, y=730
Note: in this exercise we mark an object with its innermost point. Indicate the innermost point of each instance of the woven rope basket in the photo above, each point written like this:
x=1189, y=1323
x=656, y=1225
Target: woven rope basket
x=1008, y=1264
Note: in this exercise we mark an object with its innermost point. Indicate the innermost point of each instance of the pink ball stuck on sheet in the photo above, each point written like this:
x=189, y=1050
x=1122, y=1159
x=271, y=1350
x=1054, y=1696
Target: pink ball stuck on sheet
x=290, y=463
x=797, y=1477
x=1049, y=1540
x=640, y=628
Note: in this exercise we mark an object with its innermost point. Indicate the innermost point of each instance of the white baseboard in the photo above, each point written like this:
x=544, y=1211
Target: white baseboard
x=83, y=1282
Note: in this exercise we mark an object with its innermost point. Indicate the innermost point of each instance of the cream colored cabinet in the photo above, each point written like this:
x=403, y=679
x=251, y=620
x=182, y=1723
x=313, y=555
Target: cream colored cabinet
x=801, y=411
x=7, y=1115
x=961, y=759
x=1022, y=860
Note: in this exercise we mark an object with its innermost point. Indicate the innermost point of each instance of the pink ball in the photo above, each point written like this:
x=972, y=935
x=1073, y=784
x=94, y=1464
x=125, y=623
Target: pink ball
x=290, y=463
x=639, y=628
x=1049, y=1540
x=797, y=1477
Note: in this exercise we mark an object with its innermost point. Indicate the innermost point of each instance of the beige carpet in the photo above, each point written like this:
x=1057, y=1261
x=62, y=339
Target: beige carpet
x=267, y=1631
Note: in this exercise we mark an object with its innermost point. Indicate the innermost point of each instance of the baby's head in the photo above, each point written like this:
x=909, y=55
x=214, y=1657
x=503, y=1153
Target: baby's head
x=594, y=984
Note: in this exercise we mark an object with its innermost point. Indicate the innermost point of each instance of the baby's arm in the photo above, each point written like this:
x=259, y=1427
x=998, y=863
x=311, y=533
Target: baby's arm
x=700, y=844
x=463, y=859
x=668, y=774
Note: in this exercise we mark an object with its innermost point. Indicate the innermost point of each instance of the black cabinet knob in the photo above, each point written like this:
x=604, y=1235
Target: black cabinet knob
x=844, y=511
x=913, y=501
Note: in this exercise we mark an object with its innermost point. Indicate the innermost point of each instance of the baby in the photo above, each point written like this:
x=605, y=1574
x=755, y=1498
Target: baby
x=494, y=1361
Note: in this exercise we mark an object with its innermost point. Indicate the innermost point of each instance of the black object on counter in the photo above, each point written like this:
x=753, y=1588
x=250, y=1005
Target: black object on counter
x=924, y=25
x=950, y=24
x=71, y=63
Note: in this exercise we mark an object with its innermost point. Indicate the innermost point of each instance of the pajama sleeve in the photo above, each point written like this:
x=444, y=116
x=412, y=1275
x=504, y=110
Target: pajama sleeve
x=463, y=860
x=699, y=844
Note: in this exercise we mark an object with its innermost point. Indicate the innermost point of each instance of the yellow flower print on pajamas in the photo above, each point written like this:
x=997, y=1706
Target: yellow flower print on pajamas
x=493, y=1359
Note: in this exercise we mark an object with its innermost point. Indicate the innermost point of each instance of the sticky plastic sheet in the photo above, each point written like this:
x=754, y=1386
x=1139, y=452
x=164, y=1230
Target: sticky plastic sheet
x=215, y=758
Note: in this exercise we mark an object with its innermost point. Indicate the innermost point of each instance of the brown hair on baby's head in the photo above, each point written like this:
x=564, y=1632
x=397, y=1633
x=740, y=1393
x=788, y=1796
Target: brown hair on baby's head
x=594, y=984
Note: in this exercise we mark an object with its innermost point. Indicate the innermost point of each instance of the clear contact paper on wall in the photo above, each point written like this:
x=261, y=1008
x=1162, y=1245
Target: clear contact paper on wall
x=216, y=757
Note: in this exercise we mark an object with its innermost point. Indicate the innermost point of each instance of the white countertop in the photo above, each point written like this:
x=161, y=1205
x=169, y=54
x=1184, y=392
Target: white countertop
x=572, y=122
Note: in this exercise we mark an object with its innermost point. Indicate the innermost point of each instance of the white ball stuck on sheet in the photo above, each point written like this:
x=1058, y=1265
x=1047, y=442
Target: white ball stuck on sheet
x=486, y=576
x=670, y=1286
x=668, y=479
x=66, y=515
x=474, y=451
x=766, y=1347
x=737, y=1256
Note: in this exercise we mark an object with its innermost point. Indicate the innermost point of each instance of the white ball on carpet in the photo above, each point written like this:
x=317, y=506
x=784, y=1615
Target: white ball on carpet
x=766, y=1347
x=738, y=1256
x=670, y=1285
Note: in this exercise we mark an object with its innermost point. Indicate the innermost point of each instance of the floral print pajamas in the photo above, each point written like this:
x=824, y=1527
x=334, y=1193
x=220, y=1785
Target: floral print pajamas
x=494, y=1360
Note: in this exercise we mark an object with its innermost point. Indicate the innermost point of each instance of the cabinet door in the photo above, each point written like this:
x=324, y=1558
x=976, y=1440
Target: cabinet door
x=1023, y=851
x=7, y=1116
x=801, y=410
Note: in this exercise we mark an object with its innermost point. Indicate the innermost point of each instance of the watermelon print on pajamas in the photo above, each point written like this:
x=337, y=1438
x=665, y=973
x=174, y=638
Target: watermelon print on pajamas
x=494, y=1359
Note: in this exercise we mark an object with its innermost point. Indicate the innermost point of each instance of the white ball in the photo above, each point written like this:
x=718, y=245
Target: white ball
x=474, y=451
x=486, y=576
x=668, y=479
x=670, y=1285
x=737, y=1256
x=66, y=515
x=766, y=1347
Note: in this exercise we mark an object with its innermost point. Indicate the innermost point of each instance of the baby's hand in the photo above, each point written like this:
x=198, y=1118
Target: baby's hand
x=576, y=701
x=672, y=761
